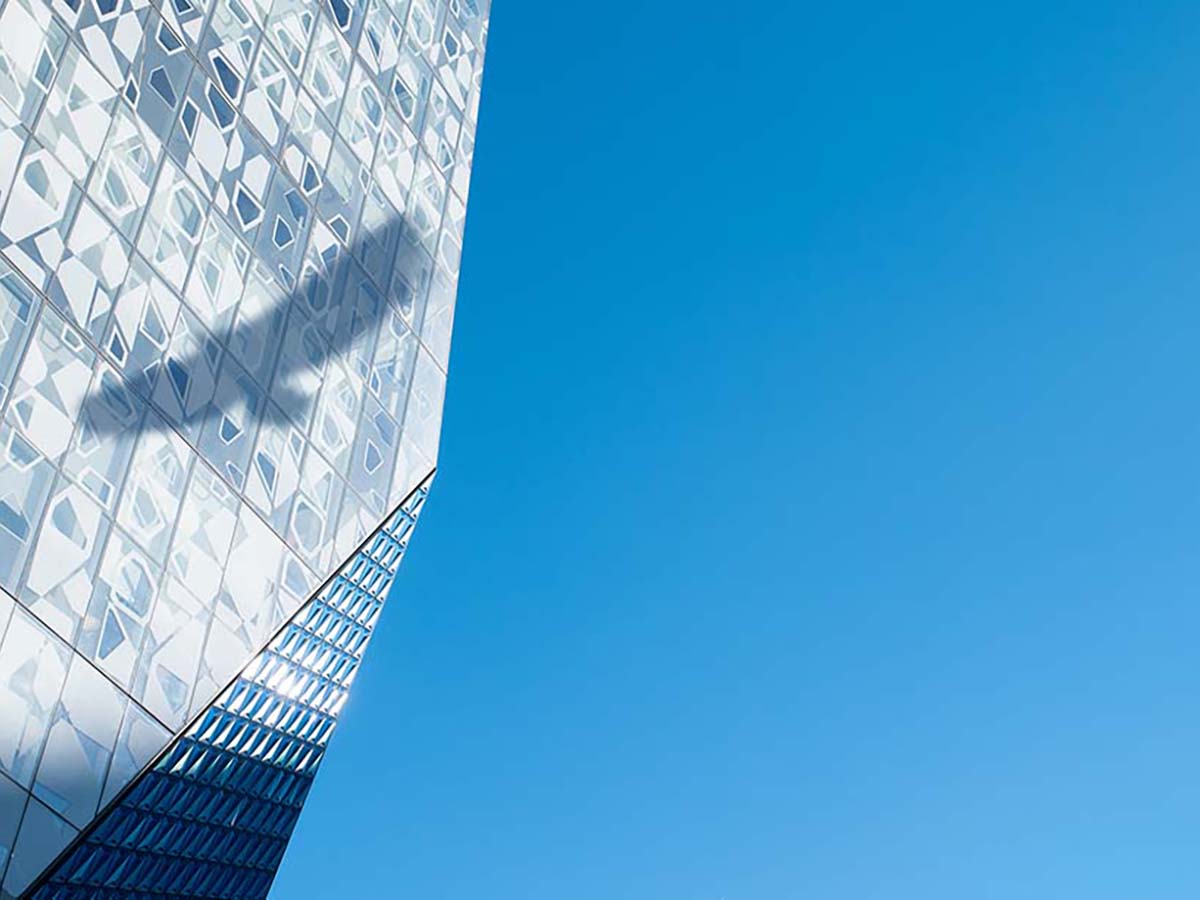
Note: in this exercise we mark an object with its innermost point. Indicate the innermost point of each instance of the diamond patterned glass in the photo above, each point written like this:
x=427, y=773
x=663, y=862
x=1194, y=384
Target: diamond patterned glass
x=212, y=816
x=230, y=237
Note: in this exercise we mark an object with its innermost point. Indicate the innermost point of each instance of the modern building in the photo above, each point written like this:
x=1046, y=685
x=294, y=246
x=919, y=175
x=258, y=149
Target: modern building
x=230, y=234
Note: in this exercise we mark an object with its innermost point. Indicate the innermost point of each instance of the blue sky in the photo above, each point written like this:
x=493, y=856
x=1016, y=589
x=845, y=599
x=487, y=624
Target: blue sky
x=817, y=513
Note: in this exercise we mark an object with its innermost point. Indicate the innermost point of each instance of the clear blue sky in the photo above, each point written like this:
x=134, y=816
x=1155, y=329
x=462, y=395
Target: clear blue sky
x=818, y=506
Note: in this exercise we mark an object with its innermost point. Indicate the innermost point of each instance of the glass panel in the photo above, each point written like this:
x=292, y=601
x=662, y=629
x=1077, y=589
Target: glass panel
x=33, y=668
x=18, y=304
x=120, y=608
x=154, y=492
x=12, y=806
x=65, y=560
x=75, y=761
x=43, y=835
x=51, y=385
x=141, y=737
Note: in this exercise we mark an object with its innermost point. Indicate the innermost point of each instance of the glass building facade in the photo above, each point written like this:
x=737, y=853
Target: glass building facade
x=230, y=234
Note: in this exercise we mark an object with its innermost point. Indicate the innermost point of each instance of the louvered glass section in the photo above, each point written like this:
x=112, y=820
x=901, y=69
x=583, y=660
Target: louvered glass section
x=213, y=815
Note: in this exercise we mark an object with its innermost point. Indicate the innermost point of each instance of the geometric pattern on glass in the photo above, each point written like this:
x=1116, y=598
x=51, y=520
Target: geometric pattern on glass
x=212, y=816
x=230, y=237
